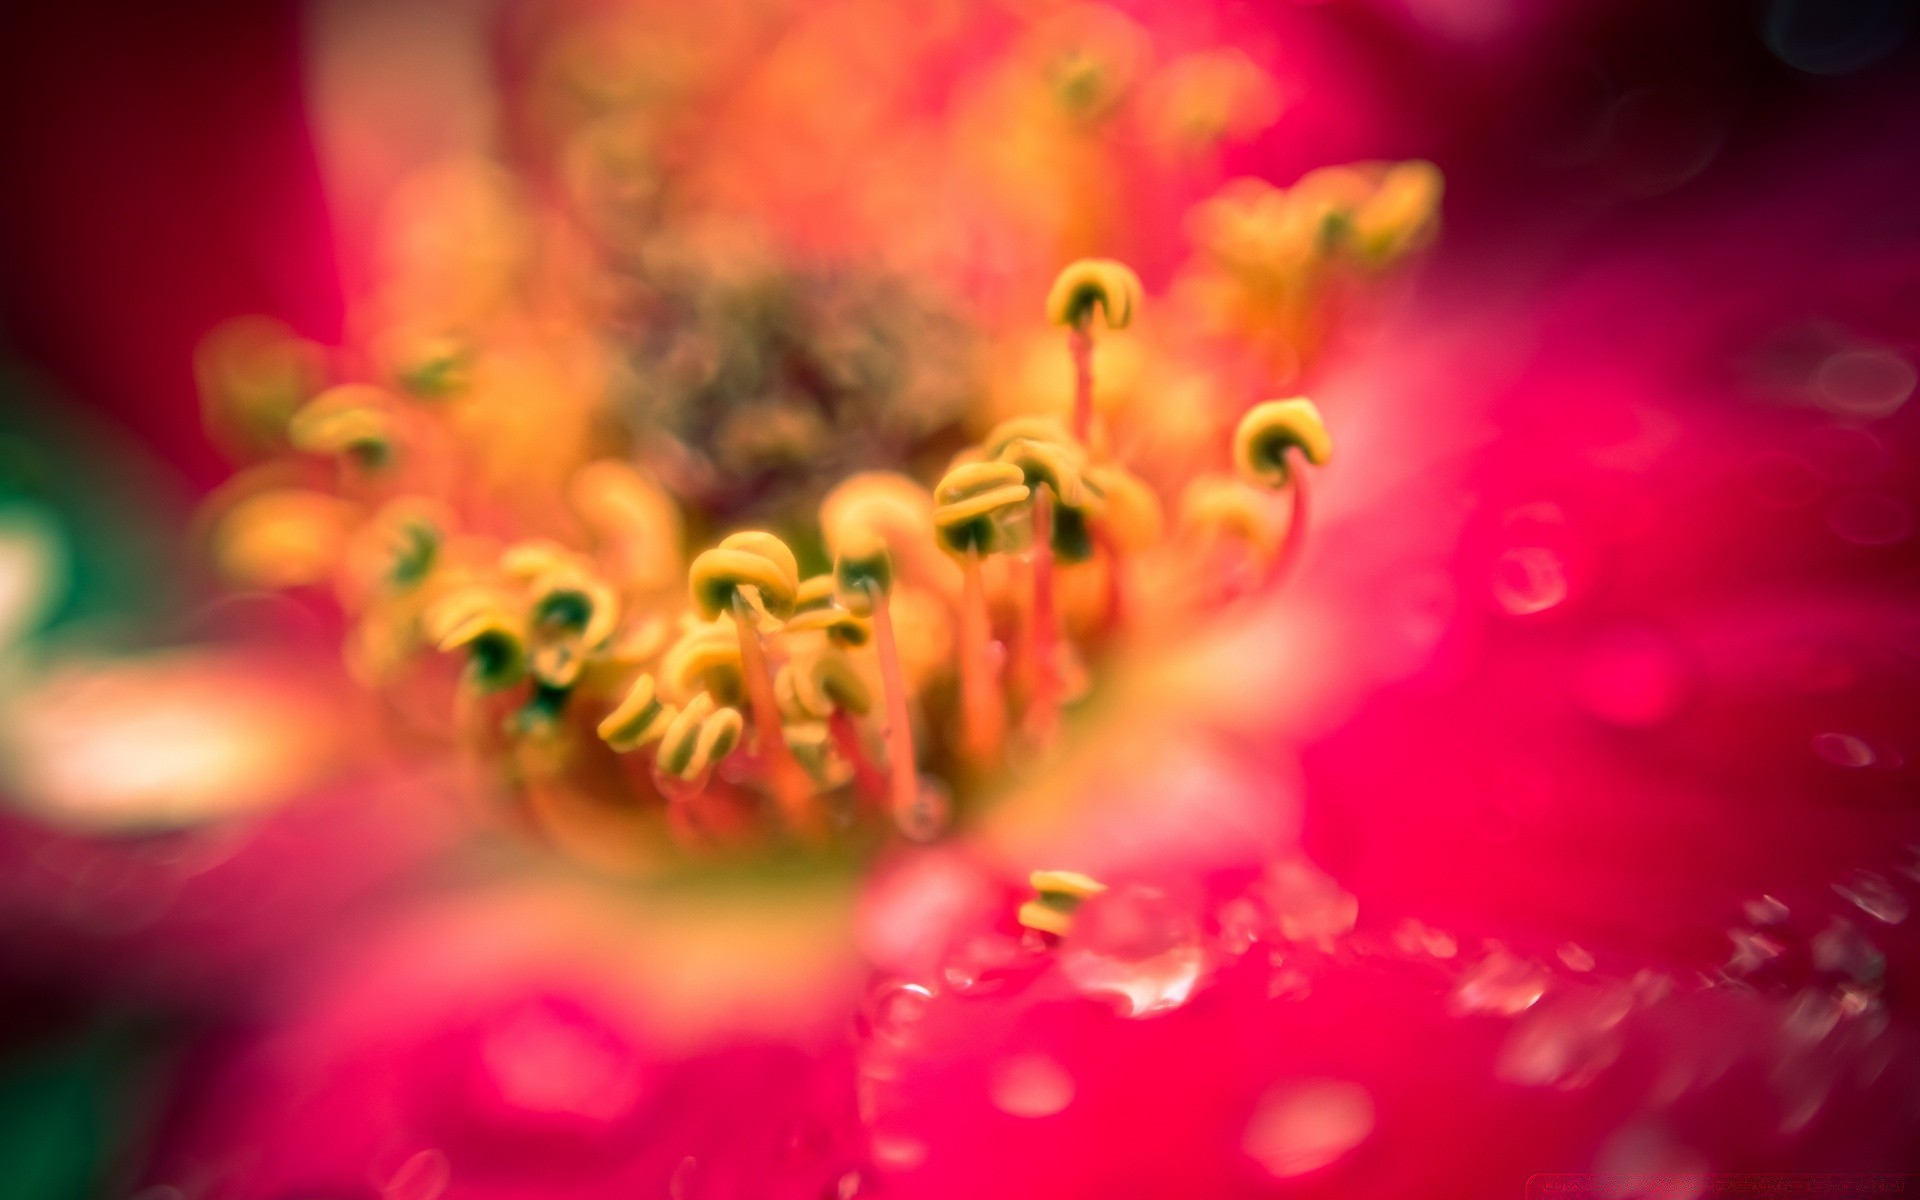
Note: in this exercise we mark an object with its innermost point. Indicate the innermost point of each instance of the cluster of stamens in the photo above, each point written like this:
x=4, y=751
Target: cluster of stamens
x=930, y=653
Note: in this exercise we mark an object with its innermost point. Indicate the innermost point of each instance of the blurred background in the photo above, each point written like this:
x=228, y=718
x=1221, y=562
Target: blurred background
x=1574, y=773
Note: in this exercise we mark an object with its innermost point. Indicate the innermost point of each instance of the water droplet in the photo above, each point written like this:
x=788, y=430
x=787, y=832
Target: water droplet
x=849, y=1186
x=1766, y=911
x=1864, y=382
x=1412, y=937
x=1306, y=1124
x=549, y=1057
x=1577, y=958
x=988, y=963
x=424, y=1176
x=1288, y=983
x=680, y=1185
x=1664, y=1167
x=1844, y=950
x=1308, y=905
x=1529, y=579
x=1242, y=925
x=898, y=1151
x=894, y=1007
x=1843, y=750
x=1566, y=1043
x=931, y=813
x=1137, y=945
x=1752, y=950
x=1811, y=1015
x=1501, y=984
x=1873, y=895
x=1031, y=1085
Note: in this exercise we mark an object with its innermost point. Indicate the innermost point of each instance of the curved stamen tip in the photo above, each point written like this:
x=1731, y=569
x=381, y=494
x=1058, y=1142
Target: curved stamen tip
x=640, y=718
x=862, y=571
x=1092, y=283
x=755, y=560
x=1059, y=895
x=1271, y=429
x=971, y=500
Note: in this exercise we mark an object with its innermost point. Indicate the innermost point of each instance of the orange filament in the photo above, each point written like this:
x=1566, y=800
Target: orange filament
x=982, y=720
x=1295, y=540
x=904, y=783
x=1080, y=340
x=1043, y=704
x=786, y=778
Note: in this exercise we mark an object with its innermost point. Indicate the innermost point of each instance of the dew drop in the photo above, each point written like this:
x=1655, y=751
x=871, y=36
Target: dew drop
x=1843, y=750
x=1500, y=984
x=1031, y=1086
x=1289, y=983
x=680, y=1185
x=1752, y=950
x=1864, y=382
x=424, y=1176
x=1242, y=925
x=898, y=1152
x=1529, y=579
x=895, y=1007
x=1417, y=937
x=1138, y=946
x=1306, y=1124
x=1566, y=1044
x=1308, y=905
x=1576, y=958
x=1844, y=950
x=986, y=964
x=1143, y=987
x=1873, y=895
x=930, y=814
x=549, y=1058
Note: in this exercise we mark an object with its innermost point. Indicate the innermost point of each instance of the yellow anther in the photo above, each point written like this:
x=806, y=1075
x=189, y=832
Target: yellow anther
x=632, y=519
x=841, y=626
x=524, y=561
x=698, y=736
x=812, y=743
x=815, y=685
x=640, y=718
x=1270, y=430
x=813, y=594
x=573, y=603
x=1031, y=429
x=862, y=570
x=1402, y=212
x=434, y=365
x=1129, y=511
x=401, y=545
x=878, y=503
x=745, y=560
x=705, y=659
x=282, y=538
x=971, y=499
x=495, y=639
x=1071, y=884
x=1059, y=895
x=1094, y=282
x=1216, y=505
x=1055, y=464
x=352, y=419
